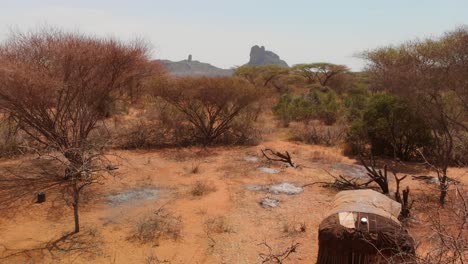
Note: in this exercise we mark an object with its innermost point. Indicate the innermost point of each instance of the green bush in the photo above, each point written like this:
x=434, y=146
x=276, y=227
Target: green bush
x=355, y=101
x=390, y=127
x=293, y=108
x=321, y=104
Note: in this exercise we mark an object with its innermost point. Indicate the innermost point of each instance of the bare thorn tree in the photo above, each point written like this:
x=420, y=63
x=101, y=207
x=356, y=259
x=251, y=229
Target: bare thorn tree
x=57, y=86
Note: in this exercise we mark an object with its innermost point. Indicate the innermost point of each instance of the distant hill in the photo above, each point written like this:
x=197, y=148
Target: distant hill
x=190, y=67
x=258, y=56
x=261, y=56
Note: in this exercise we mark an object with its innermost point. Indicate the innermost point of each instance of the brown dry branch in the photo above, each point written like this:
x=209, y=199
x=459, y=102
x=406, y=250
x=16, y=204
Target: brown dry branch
x=343, y=183
x=448, y=237
x=405, y=204
x=279, y=258
x=377, y=176
x=278, y=156
x=444, y=180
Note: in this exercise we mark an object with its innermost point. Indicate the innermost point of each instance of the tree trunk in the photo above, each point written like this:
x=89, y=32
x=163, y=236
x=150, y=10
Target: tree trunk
x=76, y=202
x=443, y=189
x=77, y=218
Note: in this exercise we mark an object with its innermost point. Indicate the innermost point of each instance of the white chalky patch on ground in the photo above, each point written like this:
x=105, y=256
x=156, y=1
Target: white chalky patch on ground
x=268, y=170
x=269, y=202
x=132, y=195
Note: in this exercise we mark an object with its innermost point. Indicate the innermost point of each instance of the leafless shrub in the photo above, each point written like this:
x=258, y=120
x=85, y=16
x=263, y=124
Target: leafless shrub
x=276, y=256
x=211, y=106
x=140, y=135
x=201, y=188
x=11, y=139
x=160, y=225
x=448, y=238
x=318, y=134
x=216, y=225
x=57, y=87
x=159, y=126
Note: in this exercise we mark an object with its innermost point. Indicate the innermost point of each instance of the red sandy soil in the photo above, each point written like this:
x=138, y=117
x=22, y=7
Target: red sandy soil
x=106, y=229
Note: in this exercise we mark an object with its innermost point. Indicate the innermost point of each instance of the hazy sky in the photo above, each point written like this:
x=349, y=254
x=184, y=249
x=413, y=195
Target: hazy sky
x=222, y=32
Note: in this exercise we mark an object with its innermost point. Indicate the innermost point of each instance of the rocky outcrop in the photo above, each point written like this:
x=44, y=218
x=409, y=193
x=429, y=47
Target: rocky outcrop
x=261, y=56
x=191, y=67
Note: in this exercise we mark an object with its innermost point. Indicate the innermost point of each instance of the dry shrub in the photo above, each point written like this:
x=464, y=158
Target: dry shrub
x=160, y=125
x=244, y=130
x=153, y=259
x=58, y=87
x=201, y=188
x=218, y=225
x=317, y=134
x=325, y=155
x=271, y=255
x=11, y=140
x=191, y=111
x=195, y=169
x=294, y=228
x=214, y=110
x=160, y=225
x=447, y=239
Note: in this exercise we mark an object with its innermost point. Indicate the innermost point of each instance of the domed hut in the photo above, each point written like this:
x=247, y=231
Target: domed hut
x=362, y=227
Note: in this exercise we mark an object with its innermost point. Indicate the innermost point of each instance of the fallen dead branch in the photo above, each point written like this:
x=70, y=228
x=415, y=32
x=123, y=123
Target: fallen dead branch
x=279, y=258
x=278, y=156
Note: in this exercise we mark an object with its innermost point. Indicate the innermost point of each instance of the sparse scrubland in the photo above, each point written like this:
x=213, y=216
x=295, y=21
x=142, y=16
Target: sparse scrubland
x=141, y=166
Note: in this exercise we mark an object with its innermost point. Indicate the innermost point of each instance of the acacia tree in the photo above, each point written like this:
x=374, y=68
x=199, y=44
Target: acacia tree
x=432, y=74
x=322, y=73
x=56, y=87
x=263, y=76
x=210, y=105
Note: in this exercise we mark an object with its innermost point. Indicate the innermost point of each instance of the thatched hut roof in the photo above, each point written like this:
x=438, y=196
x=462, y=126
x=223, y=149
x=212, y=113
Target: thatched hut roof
x=362, y=227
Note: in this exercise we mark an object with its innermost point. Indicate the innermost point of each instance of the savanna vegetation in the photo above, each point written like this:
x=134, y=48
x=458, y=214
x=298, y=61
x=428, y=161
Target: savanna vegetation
x=77, y=99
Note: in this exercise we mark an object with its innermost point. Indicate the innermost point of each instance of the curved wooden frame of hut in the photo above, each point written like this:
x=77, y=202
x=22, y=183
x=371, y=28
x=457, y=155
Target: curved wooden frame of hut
x=362, y=228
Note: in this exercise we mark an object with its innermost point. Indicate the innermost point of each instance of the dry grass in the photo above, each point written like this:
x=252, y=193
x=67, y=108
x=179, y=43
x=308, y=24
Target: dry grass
x=202, y=188
x=153, y=259
x=318, y=134
x=294, y=228
x=218, y=225
x=322, y=154
x=160, y=225
x=195, y=169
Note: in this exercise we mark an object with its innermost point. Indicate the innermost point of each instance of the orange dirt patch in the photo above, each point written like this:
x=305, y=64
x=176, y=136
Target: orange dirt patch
x=235, y=238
